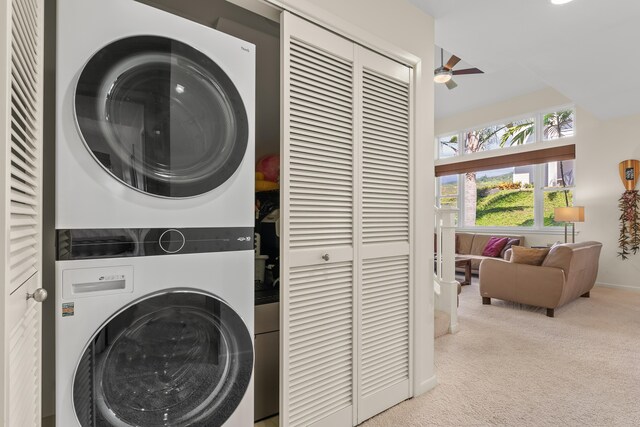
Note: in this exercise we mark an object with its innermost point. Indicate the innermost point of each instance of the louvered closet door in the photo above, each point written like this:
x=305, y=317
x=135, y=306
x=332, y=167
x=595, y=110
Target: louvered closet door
x=383, y=254
x=21, y=114
x=317, y=282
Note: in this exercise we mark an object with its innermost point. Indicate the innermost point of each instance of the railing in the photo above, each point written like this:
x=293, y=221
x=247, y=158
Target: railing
x=445, y=284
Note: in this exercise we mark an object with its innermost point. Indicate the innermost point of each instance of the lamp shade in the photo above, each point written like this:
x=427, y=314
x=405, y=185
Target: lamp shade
x=569, y=214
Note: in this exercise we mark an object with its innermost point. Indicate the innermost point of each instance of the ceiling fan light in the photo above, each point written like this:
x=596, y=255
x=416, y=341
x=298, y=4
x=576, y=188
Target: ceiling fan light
x=558, y=2
x=442, y=75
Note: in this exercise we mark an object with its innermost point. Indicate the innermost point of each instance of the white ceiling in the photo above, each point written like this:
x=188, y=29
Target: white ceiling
x=525, y=45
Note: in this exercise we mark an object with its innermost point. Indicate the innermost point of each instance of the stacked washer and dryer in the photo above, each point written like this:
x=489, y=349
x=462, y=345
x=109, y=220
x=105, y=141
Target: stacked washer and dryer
x=154, y=219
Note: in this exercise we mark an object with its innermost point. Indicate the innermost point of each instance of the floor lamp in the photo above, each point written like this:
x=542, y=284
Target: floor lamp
x=569, y=215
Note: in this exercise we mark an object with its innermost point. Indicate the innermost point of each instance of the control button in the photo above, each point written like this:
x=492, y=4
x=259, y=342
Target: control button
x=172, y=241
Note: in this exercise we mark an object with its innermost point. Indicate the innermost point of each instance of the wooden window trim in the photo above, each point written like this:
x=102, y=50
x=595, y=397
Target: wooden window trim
x=545, y=155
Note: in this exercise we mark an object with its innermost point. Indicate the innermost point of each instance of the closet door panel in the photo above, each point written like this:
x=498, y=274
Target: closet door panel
x=317, y=227
x=383, y=254
x=385, y=150
x=319, y=153
x=21, y=93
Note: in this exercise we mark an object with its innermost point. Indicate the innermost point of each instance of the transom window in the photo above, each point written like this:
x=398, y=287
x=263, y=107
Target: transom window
x=537, y=128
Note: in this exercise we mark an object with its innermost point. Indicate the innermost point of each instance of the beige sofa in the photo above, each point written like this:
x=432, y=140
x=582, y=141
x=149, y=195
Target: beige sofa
x=471, y=245
x=568, y=272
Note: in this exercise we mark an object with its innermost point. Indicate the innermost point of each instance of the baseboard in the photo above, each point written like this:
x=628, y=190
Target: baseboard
x=454, y=327
x=425, y=386
x=616, y=286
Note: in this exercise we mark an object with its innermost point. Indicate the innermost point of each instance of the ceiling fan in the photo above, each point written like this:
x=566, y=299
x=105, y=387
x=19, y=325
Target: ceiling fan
x=444, y=73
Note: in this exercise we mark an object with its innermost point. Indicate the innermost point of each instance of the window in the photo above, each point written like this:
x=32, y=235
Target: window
x=558, y=124
x=502, y=198
x=520, y=196
x=448, y=191
x=494, y=137
x=555, y=199
x=509, y=189
x=536, y=128
x=448, y=146
x=557, y=188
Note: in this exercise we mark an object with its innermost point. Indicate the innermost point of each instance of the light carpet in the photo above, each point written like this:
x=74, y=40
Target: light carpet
x=510, y=365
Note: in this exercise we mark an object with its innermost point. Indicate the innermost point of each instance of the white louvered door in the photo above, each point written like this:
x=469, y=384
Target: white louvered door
x=383, y=253
x=317, y=205
x=345, y=230
x=21, y=76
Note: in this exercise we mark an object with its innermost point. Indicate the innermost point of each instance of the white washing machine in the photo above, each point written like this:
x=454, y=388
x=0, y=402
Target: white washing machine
x=155, y=120
x=154, y=219
x=143, y=343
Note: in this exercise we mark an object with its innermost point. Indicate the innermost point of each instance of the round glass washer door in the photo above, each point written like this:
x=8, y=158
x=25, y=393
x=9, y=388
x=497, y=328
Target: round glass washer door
x=174, y=359
x=161, y=117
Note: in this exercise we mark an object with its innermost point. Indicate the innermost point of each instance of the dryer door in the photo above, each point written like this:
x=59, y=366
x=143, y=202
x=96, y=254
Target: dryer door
x=161, y=117
x=174, y=359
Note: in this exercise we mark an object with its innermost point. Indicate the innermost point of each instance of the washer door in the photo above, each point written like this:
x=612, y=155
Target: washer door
x=161, y=117
x=174, y=359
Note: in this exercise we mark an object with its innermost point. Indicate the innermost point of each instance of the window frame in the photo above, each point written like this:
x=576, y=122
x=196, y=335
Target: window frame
x=439, y=196
x=540, y=188
x=538, y=136
x=544, y=112
x=447, y=135
x=463, y=136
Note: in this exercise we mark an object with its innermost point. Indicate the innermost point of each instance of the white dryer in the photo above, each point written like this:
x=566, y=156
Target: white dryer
x=155, y=120
x=143, y=343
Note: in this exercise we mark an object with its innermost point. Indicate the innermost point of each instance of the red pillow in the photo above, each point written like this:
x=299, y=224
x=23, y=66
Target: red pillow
x=494, y=246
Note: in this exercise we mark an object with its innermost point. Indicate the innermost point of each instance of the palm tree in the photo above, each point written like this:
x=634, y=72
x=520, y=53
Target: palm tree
x=515, y=133
x=451, y=143
x=555, y=125
x=558, y=124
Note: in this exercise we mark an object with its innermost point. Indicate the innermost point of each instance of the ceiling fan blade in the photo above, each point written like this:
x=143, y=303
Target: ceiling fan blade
x=452, y=62
x=451, y=84
x=467, y=71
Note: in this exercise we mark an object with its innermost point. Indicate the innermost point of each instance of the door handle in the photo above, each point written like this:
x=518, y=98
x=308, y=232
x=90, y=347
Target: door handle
x=39, y=295
x=325, y=257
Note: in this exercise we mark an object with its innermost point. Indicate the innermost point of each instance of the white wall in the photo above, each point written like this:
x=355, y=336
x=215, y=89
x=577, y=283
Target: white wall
x=600, y=146
x=606, y=144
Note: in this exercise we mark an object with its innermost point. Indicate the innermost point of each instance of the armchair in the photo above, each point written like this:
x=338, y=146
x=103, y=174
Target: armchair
x=569, y=271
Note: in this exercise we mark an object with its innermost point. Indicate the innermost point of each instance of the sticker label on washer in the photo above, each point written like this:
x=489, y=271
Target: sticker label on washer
x=68, y=309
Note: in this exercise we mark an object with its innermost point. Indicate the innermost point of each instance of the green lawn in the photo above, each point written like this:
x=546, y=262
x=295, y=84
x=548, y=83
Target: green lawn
x=512, y=208
x=506, y=208
x=555, y=200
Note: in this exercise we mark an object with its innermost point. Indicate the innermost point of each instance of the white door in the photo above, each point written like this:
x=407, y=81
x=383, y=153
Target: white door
x=346, y=229
x=21, y=92
x=384, y=220
x=317, y=199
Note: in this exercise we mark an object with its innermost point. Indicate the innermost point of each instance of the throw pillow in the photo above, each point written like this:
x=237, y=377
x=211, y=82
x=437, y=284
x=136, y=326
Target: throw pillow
x=559, y=257
x=510, y=242
x=531, y=256
x=494, y=246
